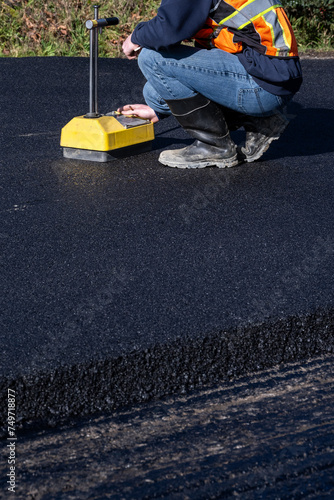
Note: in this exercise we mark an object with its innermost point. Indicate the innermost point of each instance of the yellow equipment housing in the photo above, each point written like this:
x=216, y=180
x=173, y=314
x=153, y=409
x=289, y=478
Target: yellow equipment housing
x=106, y=137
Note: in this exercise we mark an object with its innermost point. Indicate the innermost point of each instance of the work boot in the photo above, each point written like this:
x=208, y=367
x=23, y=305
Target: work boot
x=204, y=120
x=260, y=132
x=234, y=119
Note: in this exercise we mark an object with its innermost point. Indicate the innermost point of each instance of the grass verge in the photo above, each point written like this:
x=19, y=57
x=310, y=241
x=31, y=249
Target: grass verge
x=57, y=28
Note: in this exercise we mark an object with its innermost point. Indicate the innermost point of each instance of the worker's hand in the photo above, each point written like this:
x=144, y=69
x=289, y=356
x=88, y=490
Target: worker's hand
x=131, y=50
x=140, y=110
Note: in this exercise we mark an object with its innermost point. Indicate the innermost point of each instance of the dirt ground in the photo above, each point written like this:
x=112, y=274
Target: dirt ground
x=316, y=54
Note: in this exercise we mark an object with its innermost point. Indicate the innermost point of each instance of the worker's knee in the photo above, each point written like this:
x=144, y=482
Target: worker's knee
x=152, y=62
x=146, y=59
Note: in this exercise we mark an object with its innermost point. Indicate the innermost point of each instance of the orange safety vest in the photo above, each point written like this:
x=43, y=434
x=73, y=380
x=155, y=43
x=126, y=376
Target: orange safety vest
x=261, y=24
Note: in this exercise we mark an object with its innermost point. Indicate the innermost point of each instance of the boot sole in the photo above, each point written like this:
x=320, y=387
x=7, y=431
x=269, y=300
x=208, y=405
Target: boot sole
x=231, y=162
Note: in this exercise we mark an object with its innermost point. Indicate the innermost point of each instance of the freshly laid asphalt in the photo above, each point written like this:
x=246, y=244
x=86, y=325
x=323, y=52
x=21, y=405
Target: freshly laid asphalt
x=127, y=281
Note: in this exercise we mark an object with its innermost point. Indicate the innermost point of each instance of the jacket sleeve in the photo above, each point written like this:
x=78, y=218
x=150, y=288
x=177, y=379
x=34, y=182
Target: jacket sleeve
x=176, y=20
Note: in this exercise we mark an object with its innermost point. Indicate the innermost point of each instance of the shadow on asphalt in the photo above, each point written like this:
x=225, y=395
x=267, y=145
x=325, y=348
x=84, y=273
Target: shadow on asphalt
x=310, y=133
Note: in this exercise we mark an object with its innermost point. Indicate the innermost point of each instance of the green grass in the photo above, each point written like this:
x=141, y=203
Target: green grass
x=36, y=28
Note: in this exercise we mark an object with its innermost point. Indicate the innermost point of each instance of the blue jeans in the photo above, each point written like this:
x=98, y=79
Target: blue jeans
x=182, y=72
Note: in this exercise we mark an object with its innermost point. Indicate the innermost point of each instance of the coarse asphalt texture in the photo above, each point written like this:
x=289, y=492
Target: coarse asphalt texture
x=269, y=435
x=127, y=281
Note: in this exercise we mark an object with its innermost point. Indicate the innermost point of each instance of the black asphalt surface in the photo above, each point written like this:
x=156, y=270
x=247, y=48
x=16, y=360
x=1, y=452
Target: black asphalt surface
x=265, y=436
x=126, y=281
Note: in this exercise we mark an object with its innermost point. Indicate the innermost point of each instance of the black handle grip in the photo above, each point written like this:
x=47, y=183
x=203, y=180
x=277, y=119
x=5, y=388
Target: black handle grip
x=100, y=23
x=110, y=21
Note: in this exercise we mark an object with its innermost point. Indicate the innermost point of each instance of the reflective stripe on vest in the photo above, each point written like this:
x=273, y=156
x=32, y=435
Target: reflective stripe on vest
x=270, y=27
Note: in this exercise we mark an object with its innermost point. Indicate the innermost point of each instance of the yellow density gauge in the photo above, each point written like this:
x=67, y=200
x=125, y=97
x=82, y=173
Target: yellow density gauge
x=99, y=137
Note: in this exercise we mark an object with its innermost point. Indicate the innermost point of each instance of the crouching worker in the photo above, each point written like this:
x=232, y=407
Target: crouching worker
x=242, y=71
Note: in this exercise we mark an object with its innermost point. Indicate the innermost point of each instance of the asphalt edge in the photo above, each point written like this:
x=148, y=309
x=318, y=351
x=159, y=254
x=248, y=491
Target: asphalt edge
x=47, y=399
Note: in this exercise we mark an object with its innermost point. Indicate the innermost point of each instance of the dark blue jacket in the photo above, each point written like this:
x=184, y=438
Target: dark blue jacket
x=178, y=20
